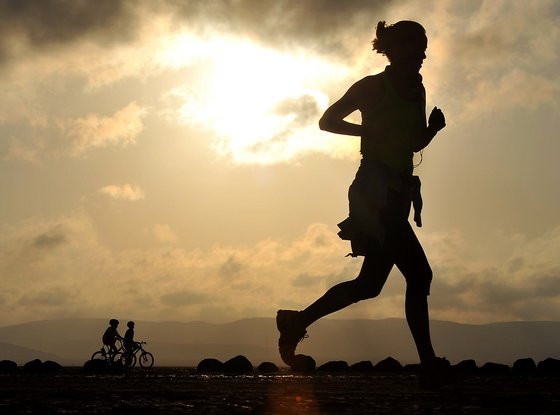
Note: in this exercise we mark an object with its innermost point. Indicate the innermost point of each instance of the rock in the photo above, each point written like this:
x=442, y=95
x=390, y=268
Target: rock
x=490, y=368
x=8, y=366
x=267, y=367
x=33, y=366
x=334, y=366
x=412, y=367
x=117, y=367
x=365, y=366
x=467, y=367
x=524, y=367
x=239, y=365
x=51, y=367
x=303, y=364
x=96, y=366
x=210, y=366
x=549, y=367
x=388, y=365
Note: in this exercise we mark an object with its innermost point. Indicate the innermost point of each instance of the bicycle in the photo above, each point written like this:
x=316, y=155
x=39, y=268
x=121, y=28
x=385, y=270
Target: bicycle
x=128, y=358
x=107, y=354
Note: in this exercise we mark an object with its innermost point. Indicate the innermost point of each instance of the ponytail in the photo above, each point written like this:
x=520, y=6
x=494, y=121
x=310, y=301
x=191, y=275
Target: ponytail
x=380, y=41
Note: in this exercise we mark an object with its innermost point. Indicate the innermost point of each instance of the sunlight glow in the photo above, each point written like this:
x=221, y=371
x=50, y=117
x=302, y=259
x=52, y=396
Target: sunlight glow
x=263, y=105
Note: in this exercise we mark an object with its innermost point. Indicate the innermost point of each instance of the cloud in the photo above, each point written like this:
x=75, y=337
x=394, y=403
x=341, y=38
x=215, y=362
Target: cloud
x=231, y=268
x=93, y=130
x=487, y=58
x=183, y=298
x=164, y=234
x=157, y=283
x=129, y=192
x=52, y=297
x=303, y=109
x=305, y=280
x=73, y=137
x=49, y=240
x=34, y=26
x=286, y=24
x=513, y=89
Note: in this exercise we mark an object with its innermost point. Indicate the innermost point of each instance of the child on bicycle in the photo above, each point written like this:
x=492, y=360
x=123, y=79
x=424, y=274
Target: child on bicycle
x=111, y=336
x=129, y=344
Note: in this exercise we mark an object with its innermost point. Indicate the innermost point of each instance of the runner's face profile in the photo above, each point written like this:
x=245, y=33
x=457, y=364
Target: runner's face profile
x=410, y=55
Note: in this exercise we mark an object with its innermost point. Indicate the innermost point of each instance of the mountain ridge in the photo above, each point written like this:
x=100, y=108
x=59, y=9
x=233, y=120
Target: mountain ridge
x=176, y=343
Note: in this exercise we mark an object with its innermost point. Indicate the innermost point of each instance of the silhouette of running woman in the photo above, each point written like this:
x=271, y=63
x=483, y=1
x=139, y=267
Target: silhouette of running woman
x=392, y=105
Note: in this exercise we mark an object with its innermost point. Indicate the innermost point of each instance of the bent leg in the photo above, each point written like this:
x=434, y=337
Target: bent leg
x=373, y=274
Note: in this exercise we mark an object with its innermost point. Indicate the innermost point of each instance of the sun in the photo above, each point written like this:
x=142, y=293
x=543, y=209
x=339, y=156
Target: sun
x=263, y=104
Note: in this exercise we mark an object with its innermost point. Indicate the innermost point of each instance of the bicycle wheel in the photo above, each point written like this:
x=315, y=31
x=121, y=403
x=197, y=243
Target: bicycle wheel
x=98, y=355
x=127, y=359
x=146, y=360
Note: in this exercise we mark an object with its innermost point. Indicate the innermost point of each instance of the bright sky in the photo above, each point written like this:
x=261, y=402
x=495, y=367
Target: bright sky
x=161, y=160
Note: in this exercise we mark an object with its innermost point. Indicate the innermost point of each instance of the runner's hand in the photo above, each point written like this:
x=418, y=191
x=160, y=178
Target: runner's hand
x=436, y=121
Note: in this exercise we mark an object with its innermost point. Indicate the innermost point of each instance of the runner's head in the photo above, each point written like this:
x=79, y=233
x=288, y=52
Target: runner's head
x=404, y=43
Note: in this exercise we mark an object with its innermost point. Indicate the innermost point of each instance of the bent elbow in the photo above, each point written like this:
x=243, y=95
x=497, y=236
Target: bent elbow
x=323, y=124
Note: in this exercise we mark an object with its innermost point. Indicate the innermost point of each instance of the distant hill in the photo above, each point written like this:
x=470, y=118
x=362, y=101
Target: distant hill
x=24, y=354
x=72, y=341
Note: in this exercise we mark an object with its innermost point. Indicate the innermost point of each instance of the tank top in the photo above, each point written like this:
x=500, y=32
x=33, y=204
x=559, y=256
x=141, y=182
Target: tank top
x=403, y=123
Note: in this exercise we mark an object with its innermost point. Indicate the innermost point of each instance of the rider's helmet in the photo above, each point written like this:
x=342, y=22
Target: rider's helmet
x=113, y=322
x=130, y=324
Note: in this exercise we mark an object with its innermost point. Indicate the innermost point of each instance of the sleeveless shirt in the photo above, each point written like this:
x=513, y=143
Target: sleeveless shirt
x=402, y=123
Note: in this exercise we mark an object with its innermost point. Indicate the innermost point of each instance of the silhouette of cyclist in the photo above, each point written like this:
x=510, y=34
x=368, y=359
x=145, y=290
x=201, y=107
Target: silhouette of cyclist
x=111, y=335
x=129, y=344
x=392, y=105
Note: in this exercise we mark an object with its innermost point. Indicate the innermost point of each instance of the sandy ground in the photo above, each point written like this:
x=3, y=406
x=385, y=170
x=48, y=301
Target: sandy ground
x=181, y=391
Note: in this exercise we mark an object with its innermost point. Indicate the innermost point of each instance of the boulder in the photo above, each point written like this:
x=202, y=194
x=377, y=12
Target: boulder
x=210, y=365
x=388, y=365
x=117, y=367
x=238, y=365
x=412, y=367
x=549, y=367
x=51, y=367
x=467, y=367
x=303, y=364
x=8, y=366
x=96, y=366
x=491, y=368
x=267, y=367
x=336, y=366
x=33, y=366
x=524, y=367
x=365, y=366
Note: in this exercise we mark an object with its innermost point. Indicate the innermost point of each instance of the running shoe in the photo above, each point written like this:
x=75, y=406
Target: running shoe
x=290, y=334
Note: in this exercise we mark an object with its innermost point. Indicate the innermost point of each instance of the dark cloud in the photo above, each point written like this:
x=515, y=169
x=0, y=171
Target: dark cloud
x=49, y=240
x=547, y=287
x=41, y=24
x=287, y=23
x=305, y=109
x=230, y=268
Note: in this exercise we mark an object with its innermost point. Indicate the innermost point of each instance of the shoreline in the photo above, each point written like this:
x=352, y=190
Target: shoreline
x=182, y=390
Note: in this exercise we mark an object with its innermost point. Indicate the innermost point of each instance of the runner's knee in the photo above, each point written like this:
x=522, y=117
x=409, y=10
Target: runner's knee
x=364, y=290
x=420, y=283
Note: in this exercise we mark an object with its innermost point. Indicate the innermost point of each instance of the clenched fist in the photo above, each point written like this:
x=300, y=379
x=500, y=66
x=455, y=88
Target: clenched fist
x=436, y=121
